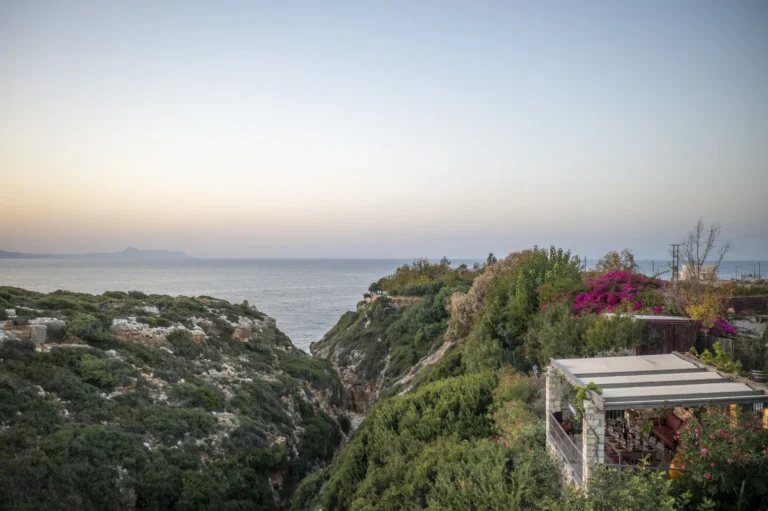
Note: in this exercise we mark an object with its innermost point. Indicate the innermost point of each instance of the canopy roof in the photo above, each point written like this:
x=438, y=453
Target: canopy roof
x=651, y=381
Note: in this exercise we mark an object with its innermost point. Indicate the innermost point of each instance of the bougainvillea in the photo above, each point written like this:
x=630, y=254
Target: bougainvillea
x=722, y=328
x=717, y=456
x=619, y=291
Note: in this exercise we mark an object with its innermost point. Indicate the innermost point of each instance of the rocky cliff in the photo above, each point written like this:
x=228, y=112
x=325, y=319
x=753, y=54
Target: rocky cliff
x=381, y=348
x=129, y=401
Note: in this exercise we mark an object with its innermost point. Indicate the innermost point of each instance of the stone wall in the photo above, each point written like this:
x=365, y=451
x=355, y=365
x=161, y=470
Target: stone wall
x=593, y=436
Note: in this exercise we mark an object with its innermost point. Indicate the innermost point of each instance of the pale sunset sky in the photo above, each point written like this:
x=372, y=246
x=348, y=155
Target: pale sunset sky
x=382, y=129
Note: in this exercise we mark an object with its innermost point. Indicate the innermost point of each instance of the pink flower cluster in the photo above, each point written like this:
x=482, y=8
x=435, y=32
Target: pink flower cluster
x=722, y=328
x=615, y=290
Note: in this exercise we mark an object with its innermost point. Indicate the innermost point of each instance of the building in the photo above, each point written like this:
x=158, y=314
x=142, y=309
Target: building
x=707, y=272
x=635, y=390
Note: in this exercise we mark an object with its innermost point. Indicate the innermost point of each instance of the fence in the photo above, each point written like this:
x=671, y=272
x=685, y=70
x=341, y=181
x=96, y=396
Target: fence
x=670, y=336
x=566, y=448
x=758, y=304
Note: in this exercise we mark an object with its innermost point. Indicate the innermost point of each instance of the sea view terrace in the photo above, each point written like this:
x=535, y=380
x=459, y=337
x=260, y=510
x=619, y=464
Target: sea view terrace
x=625, y=412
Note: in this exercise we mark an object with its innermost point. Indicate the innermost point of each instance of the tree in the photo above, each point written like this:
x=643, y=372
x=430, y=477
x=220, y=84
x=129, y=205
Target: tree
x=700, y=244
x=375, y=288
x=613, y=260
x=491, y=259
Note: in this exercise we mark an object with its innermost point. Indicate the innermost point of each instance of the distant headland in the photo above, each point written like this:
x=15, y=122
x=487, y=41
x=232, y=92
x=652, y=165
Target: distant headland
x=127, y=254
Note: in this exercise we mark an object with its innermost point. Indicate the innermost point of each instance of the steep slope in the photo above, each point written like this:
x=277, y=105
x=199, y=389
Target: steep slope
x=128, y=401
x=373, y=348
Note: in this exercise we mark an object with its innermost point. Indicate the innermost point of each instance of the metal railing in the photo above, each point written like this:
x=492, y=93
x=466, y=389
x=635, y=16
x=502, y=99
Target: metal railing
x=565, y=447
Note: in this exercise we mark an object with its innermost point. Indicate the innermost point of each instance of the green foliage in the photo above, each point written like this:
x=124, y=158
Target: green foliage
x=556, y=333
x=754, y=290
x=422, y=277
x=405, y=333
x=318, y=372
x=725, y=464
x=88, y=328
x=183, y=343
x=140, y=427
x=614, y=261
x=582, y=394
x=609, y=334
x=629, y=490
x=204, y=396
x=721, y=360
x=452, y=444
x=513, y=298
x=379, y=467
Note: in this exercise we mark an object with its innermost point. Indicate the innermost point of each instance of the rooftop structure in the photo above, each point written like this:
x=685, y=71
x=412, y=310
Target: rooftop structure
x=646, y=386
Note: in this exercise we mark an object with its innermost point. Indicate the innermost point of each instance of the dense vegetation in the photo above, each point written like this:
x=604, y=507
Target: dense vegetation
x=90, y=421
x=215, y=409
x=469, y=434
x=381, y=341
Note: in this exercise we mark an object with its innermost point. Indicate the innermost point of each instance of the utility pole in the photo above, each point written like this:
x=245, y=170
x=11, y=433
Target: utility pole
x=653, y=267
x=675, y=262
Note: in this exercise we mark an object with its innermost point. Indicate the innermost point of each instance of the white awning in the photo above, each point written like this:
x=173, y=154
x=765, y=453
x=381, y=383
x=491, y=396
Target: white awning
x=651, y=381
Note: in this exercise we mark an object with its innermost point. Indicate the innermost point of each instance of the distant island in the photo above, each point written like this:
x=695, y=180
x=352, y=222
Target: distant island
x=127, y=254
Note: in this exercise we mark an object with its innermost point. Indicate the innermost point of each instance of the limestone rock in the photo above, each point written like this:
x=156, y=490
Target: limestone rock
x=34, y=333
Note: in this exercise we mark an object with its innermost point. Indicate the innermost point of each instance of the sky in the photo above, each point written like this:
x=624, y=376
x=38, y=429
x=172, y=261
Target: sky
x=382, y=129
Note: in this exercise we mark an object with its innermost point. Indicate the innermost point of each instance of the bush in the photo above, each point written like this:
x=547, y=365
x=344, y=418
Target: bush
x=88, y=328
x=387, y=462
x=630, y=490
x=718, y=458
x=556, y=333
x=614, y=334
x=619, y=291
x=183, y=343
x=513, y=297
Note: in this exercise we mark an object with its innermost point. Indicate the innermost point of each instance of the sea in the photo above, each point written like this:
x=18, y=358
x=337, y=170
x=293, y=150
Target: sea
x=305, y=296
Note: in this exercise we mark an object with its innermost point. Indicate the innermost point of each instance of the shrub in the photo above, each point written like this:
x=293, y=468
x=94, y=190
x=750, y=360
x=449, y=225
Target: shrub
x=617, y=291
x=612, y=334
x=629, y=490
x=613, y=261
x=513, y=297
x=88, y=328
x=183, y=343
x=724, y=463
x=556, y=333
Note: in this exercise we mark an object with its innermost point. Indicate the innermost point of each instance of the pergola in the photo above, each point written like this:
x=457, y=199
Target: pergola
x=633, y=383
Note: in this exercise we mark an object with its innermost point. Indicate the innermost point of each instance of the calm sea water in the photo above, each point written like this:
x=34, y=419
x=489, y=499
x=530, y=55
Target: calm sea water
x=306, y=297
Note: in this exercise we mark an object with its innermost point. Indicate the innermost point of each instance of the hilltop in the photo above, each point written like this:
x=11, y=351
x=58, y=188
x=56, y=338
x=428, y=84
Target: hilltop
x=134, y=401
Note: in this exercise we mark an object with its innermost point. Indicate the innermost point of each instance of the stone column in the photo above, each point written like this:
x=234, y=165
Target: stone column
x=554, y=392
x=592, y=437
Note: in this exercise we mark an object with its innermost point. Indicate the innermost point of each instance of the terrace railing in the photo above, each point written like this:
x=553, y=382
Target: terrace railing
x=565, y=447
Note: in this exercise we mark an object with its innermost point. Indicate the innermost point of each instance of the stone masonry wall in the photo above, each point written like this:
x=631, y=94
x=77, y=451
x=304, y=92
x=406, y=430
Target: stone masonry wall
x=593, y=437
